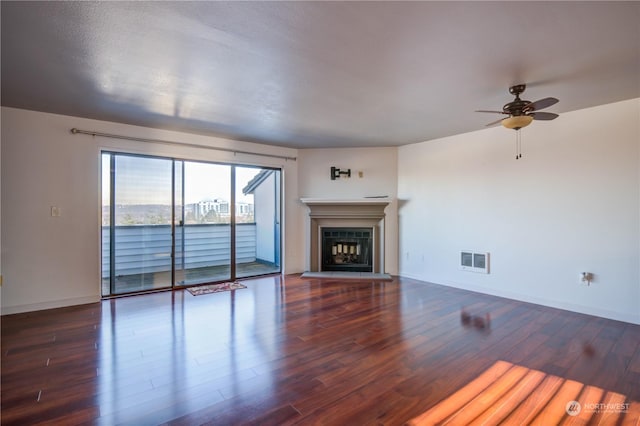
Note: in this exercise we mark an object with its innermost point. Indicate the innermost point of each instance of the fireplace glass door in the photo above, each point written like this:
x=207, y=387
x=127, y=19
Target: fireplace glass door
x=347, y=249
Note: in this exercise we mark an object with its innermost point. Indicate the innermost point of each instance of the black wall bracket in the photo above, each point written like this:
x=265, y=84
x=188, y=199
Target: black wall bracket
x=335, y=173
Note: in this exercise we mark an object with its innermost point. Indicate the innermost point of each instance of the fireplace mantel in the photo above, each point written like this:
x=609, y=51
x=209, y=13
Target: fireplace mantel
x=310, y=201
x=355, y=212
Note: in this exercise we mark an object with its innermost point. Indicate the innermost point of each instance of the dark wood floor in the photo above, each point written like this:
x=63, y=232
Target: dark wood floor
x=291, y=350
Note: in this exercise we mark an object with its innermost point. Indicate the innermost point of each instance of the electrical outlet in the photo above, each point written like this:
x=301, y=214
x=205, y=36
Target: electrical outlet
x=55, y=211
x=586, y=278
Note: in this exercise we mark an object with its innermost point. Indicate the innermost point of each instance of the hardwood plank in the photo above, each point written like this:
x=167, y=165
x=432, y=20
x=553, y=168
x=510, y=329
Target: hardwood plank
x=462, y=397
x=632, y=417
x=528, y=409
x=629, y=341
x=488, y=397
x=555, y=410
x=502, y=407
x=589, y=395
x=634, y=363
x=610, y=415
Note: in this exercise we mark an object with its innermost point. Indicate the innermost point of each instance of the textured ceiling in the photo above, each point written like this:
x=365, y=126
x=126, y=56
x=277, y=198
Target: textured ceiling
x=315, y=74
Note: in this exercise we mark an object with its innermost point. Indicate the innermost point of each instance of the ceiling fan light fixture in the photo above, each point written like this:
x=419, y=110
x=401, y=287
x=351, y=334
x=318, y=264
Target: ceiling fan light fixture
x=517, y=121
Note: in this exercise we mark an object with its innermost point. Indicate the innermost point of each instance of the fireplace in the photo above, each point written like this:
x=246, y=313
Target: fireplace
x=347, y=249
x=346, y=216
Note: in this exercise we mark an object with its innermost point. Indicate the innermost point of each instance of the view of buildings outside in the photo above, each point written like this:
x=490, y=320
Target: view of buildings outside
x=210, y=211
x=217, y=211
x=144, y=193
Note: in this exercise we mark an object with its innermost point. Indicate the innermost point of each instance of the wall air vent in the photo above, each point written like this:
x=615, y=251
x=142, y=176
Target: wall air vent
x=474, y=261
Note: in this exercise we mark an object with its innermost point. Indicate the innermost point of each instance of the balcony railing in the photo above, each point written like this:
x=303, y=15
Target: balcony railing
x=147, y=248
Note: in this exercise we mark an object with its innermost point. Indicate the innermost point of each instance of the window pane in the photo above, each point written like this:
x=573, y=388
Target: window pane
x=258, y=221
x=106, y=222
x=203, y=240
x=142, y=223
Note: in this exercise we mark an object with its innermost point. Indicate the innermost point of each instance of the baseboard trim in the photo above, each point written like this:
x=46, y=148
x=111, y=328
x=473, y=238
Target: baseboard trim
x=18, y=309
x=586, y=310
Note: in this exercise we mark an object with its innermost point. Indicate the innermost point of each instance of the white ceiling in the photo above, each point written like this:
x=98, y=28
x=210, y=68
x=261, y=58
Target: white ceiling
x=315, y=74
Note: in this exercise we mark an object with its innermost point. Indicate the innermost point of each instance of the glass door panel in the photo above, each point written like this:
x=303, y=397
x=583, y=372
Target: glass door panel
x=203, y=223
x=141, y=241
x=106, y=225
x=257, y=217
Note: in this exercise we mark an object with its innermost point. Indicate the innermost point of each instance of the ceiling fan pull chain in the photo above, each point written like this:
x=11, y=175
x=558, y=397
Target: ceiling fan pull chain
x=518, y=144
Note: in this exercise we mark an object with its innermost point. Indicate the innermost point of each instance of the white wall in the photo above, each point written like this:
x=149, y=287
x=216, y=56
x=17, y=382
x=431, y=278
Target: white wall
x=571, y=204
x=379, y=177
x=54, y=261
x=265, y=217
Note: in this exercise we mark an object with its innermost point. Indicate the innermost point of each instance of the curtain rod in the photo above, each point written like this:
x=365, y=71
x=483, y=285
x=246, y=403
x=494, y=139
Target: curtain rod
x=165, y=142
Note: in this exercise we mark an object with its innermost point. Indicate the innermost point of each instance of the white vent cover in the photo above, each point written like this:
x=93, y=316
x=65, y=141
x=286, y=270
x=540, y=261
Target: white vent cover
x=474, y=261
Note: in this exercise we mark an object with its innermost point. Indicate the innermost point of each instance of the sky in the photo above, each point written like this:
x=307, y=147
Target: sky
x=145, y=180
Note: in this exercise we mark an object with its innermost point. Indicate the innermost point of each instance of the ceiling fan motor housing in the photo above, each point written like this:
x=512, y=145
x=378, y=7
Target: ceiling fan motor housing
x=517, y=106
x=517, y=89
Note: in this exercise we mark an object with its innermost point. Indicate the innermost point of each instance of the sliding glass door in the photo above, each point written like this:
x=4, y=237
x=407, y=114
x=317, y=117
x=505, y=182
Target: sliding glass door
x=203, y=225
x=137, y=240
x=172, y=223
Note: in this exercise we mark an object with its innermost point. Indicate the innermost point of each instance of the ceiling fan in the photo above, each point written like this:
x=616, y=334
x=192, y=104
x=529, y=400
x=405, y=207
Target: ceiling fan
x=522, y=112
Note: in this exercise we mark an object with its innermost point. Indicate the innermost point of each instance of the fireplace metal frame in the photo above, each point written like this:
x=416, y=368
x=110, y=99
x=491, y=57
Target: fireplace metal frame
x=346, y=249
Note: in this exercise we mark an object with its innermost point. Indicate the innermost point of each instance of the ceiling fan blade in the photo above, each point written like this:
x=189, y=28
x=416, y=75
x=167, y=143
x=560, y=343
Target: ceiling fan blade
x=540, y=104
x=493, y=123
x=496, y=112
x=543, y=115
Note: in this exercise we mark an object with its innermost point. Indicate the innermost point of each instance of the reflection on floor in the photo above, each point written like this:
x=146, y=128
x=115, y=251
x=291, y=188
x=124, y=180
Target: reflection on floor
x=159, y=280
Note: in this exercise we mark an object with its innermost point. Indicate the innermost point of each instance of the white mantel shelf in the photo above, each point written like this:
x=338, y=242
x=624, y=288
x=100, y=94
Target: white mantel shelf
x=346, y=201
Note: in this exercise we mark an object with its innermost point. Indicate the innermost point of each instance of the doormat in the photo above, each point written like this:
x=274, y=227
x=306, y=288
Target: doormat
x=215, y=288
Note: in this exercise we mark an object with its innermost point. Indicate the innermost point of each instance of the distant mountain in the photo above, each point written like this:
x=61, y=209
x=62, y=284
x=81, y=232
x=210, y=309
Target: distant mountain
x=139, y=214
